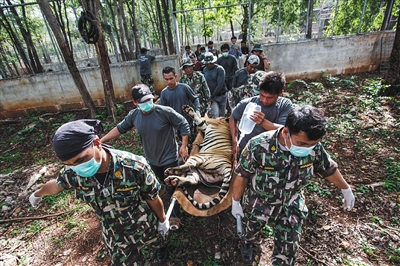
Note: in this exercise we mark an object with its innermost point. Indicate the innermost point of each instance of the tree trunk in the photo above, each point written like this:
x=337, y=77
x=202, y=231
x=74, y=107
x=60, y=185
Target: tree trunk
x=128, y=36
x=392, y=75
x=34, y=58
x=135, y=30
x=388, y=14
x=245, y=23
x=310, y=17
x=170, y=37
x=161, y=26
x=102, y=57
x=232, y=28
x=124, y=49
x=4, y=22
x=68, y=56
x=108, y=29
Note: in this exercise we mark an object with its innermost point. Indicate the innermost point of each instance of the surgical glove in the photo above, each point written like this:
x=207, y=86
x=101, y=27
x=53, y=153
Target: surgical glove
x=237, y=208
x=198, y=114
x=34, y=200
x=348, y=198
x=163, y=227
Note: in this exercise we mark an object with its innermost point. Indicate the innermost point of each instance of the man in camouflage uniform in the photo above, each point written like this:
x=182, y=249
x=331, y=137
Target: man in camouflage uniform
x=119, y=186
x=272, y=169
x=245, y=91
x=198, y=83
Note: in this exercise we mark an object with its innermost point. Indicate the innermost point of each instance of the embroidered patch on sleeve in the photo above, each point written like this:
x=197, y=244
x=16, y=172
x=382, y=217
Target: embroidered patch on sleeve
x=149, y=179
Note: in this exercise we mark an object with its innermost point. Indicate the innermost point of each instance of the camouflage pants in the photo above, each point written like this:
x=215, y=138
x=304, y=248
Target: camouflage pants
x=126, y=239
x=149, y=81
x=287, y=222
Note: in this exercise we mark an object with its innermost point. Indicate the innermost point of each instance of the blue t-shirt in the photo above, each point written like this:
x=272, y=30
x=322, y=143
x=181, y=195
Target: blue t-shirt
x=176, y=98
x=276, y=113
x=145, y=63
x=156, y=130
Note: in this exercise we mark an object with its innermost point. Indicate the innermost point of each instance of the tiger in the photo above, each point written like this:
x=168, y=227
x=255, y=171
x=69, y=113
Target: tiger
x=211, y=165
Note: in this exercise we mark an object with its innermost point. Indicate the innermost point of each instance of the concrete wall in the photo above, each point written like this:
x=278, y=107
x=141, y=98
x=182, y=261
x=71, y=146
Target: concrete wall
x=335, y=55
x=54, y=91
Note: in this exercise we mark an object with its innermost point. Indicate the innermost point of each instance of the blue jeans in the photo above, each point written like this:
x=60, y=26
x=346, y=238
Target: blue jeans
x=218, y=106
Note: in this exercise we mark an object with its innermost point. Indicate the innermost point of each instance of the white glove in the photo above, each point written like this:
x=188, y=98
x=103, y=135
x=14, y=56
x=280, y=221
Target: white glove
x=34, y=200
x=163, y=227
x=237, y=208
x=348, y=198
x=198, y=114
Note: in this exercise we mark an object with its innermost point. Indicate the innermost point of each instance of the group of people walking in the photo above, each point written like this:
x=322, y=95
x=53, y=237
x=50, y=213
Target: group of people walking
x=272, y=162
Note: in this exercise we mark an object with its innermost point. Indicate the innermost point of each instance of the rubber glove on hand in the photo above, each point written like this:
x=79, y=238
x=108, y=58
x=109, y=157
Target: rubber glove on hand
x=34, y=200
x=163, y=227
x=349, y=199
x=237, y=208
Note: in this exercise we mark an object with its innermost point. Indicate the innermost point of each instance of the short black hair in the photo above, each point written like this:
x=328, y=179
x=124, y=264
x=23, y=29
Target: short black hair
x=168, y=69
x=202, y=48
x=210, y=42
x=224, y=46
x=273, y=82
x=307, y=119
x=187, y=47
x=233, y=37
x=243, y=41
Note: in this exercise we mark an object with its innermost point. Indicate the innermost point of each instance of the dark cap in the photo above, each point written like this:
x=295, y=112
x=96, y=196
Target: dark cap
x=257, y=47
x=141, y=93
x=143, y=50
x=74, y=137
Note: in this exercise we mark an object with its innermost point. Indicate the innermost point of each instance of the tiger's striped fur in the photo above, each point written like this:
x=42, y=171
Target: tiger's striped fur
x=212, y=164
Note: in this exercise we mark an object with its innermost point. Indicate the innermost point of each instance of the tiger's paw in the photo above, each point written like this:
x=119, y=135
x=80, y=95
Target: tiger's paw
x=172, y=181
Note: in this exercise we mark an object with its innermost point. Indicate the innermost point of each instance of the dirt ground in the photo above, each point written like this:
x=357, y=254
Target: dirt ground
x=63, y=231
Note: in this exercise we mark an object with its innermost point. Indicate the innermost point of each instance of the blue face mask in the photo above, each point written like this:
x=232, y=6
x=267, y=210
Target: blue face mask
x=146, y=106
x=87, y=169
x=225, y=54
x=297, y=150
x=203, y=53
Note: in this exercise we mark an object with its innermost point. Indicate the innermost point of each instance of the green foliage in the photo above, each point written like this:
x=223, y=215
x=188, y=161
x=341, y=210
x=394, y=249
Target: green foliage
x=35, y=227
x=58, y=200
x=378, y=220
x=313, y=187
x=367, y=248
x=347, y=17
x=363, y=189
x=392, y=175
x=395, y=256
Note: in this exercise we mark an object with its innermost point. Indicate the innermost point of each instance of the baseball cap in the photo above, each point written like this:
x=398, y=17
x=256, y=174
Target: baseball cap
x=186, y=62
x=256, y=77
x=253, y=60
x=209, y=58
x=141, y=93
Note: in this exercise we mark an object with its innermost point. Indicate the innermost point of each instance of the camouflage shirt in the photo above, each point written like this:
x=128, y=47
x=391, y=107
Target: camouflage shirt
x=248, y=90
x=199, y=86
x=276, y=175
x=129, y=183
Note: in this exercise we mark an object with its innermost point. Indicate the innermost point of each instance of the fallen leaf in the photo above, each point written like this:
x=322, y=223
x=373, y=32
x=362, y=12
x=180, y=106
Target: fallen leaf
x=344, y=245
